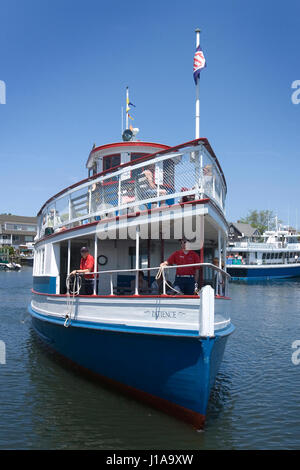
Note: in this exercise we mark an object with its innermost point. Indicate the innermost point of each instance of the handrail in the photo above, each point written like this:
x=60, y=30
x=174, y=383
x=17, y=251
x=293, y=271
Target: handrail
x=134, y=270
x=165, y=267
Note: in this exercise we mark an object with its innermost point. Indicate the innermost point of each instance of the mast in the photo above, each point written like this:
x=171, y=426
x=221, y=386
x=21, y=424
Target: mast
x=197, y=111
x=127, y=106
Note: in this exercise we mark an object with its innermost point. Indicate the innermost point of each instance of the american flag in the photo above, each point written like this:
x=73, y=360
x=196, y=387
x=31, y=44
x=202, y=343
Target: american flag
x=199, y=63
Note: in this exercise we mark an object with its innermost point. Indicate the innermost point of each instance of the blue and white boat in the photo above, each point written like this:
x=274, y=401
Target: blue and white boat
x=277, y=256
x=139, y=199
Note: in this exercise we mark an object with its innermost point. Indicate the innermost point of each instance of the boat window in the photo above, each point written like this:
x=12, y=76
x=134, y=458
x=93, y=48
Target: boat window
x=272, y=255
x=268, y=255
x=111, y=161
x=280, y=255
x=264, y=256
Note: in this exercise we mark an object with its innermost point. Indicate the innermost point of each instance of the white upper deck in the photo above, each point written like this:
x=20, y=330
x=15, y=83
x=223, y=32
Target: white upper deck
x=124, y=178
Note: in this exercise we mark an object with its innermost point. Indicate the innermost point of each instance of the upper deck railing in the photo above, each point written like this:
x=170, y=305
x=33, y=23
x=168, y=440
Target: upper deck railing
x=168, y=178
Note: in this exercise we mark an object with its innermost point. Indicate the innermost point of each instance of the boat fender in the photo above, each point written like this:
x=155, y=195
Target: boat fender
x=102, y=260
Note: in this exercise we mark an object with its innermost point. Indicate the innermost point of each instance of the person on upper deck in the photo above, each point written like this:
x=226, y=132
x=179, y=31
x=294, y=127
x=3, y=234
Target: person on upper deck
x=186, y=277
x=147, y=186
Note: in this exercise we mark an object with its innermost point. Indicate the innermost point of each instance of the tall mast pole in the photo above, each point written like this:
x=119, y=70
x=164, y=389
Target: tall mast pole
x=127, y=102
x=197, y=115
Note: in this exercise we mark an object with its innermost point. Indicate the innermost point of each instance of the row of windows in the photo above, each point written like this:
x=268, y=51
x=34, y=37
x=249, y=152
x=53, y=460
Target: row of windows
x=28, y=228
x=279, y=255
x=111, y=161
x=16, y=238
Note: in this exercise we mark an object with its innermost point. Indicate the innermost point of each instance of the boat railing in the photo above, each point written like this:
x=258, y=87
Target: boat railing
x=166, y=179
x=108, y=280
x=264, y=246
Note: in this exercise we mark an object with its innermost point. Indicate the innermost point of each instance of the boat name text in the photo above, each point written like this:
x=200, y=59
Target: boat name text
x=163, y=313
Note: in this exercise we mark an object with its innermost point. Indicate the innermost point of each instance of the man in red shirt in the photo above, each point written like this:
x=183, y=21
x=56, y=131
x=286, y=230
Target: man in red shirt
x=185, y=277
x=87, y=265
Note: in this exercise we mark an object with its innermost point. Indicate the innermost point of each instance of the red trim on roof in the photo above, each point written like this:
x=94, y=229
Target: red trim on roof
x=128, y=144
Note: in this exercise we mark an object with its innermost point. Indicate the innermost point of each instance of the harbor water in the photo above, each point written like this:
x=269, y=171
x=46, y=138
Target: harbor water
x=46, y=404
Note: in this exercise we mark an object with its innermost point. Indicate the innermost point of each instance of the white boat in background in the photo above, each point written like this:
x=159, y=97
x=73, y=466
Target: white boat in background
x=10, y=266
x=277, y=256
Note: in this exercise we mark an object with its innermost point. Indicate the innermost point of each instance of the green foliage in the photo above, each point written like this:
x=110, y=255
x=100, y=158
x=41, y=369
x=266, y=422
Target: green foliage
x=11, y=250
x=262, y=220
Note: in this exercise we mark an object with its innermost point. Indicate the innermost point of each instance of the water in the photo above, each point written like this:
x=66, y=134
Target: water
x=254, y=404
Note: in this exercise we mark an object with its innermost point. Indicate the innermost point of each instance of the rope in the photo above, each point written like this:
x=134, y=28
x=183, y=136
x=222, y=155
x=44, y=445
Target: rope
x=70, y=298
x=161, y=273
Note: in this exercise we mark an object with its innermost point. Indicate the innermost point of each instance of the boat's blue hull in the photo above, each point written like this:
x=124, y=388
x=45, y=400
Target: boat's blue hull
x=243, y=273
x=173, y=373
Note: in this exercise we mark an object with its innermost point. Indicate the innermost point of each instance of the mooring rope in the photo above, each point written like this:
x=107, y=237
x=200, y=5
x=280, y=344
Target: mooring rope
x=161, y=273
x=70, y=298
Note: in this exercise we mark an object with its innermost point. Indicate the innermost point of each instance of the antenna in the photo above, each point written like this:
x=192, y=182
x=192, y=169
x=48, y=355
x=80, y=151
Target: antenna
x=127, y=103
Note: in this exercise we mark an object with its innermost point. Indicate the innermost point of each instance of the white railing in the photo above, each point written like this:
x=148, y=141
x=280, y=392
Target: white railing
x=265, y=246
x=220, y=283
x=206, y=319
x=167, y=179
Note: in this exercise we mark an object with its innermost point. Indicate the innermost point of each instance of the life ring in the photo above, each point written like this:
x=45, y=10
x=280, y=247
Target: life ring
x=102, y=260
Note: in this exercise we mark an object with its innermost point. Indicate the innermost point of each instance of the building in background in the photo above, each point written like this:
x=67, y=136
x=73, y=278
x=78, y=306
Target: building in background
x=18, y=232
x=240, y=232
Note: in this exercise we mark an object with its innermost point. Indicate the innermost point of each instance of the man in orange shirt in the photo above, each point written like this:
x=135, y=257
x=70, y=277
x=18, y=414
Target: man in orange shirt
x=87, y=265
x=185, y=277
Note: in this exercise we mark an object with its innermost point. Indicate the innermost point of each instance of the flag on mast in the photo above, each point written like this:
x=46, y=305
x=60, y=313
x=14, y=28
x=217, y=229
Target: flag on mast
x=128, y=104
x=199, y=63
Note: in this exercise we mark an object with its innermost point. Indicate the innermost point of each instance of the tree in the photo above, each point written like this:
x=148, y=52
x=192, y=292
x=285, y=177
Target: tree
x=11, y=250
x=262, y=220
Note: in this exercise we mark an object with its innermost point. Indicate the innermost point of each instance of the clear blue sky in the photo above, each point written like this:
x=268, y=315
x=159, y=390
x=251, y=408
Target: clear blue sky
x=66, y=64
